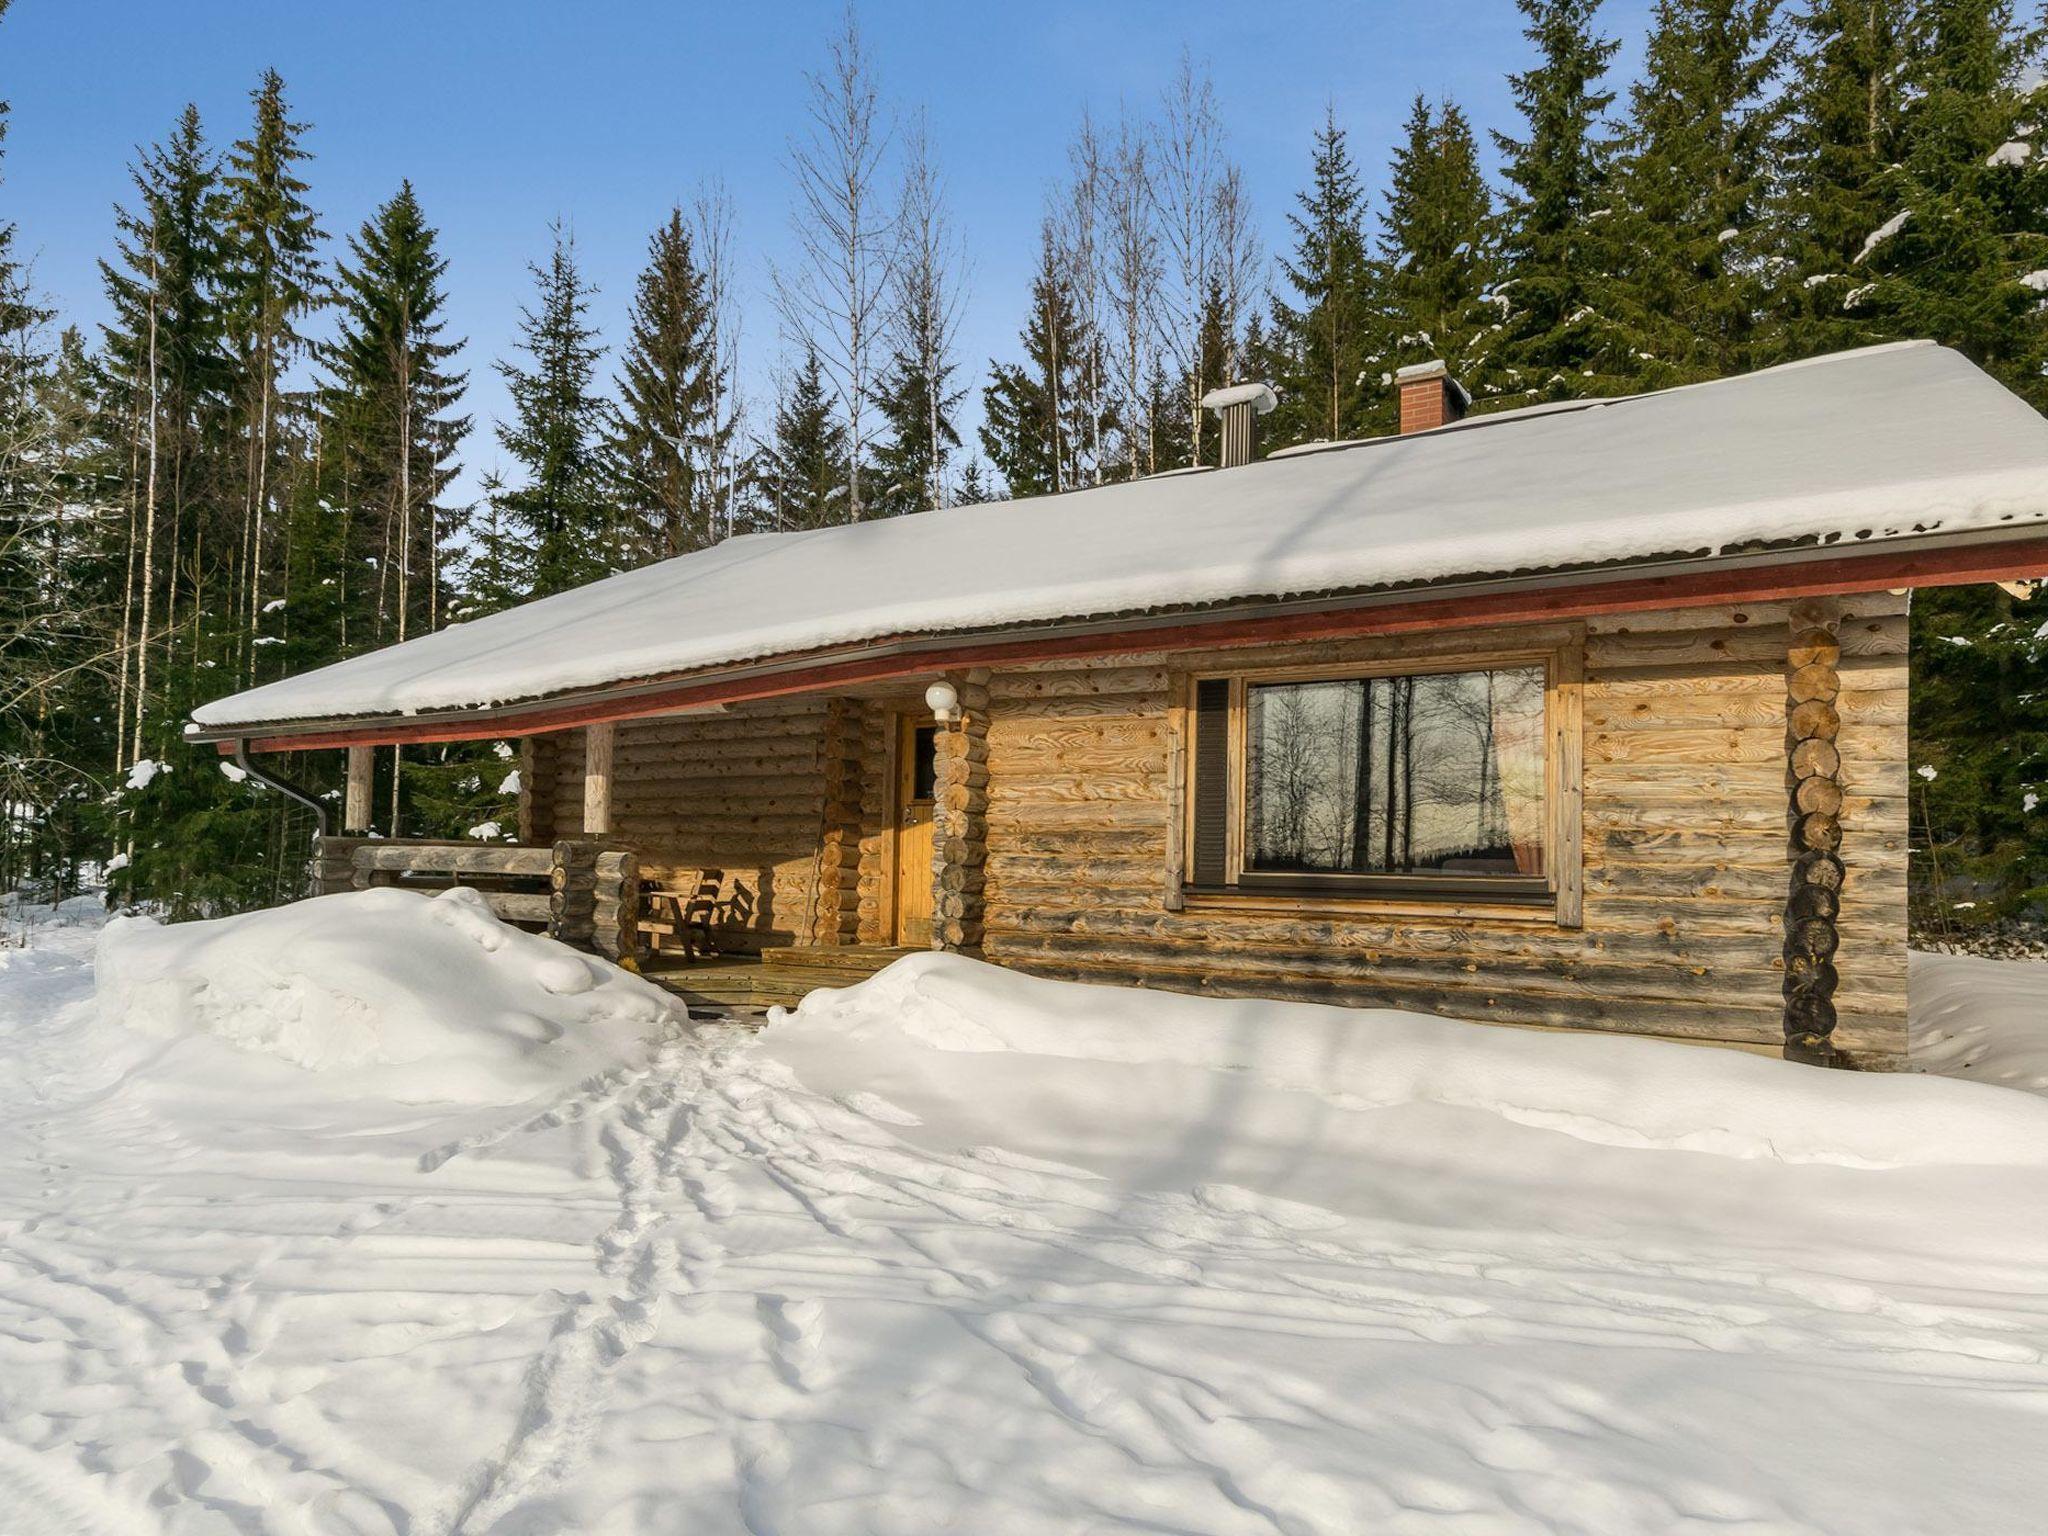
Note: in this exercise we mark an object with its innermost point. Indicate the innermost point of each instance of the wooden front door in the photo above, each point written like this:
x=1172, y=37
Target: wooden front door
x=916, y=782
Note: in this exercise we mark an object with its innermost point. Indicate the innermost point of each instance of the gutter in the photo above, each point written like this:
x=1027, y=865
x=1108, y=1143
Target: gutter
x=1923, y=560
x=283, y=786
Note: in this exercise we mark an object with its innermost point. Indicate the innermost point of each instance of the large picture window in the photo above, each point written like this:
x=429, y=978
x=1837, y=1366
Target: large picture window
x=1421, y=783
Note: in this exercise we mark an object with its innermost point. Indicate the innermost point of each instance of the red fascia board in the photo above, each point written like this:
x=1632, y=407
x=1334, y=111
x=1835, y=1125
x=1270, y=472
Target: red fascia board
x=1842, y=576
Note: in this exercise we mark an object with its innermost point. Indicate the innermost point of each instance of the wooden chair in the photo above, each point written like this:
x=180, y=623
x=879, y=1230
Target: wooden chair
x=687, y=916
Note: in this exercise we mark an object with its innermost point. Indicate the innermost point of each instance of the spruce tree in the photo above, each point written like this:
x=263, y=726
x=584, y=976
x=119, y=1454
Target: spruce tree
x=39, y=629
x=1844, y=131
x=556, y=432
x=1979, y=749
x=390, y=422
x=916, y=396
x=270, y=282
x=499, y=572
x=1683, y=227
x=918, y=408
x=669, y=427
x=171, y=377
x=1319, y=344
x=198, y=840
x=1555, y=342
x=801, y=474
x=314, y=586
x=168, y=385
x=61, y=528
x=1964, y=263
x=1967, y=265
x=1435, y=248
x=1035, y=428
x=974, y=487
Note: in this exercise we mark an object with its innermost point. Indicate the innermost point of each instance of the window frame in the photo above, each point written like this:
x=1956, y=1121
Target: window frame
x=1556, y=895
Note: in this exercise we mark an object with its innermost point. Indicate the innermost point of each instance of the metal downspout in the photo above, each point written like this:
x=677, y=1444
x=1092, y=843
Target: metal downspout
x=282, y=786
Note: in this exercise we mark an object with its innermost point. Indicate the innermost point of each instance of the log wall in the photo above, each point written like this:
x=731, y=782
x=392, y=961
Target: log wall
x=1684, y=848
x=1684, y=844
x=742, y=790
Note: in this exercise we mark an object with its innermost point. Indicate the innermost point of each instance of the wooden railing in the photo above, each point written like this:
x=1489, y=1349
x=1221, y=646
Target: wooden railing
x=583, y=891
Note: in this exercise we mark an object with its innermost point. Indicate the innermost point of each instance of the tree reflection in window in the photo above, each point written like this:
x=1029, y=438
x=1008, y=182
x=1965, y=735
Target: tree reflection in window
x=1433, y=773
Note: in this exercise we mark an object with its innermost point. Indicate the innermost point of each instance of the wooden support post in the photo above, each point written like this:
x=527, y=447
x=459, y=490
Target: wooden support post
x=597, y=779
x=355, y=804
x=1814, y=817
x=960, y=820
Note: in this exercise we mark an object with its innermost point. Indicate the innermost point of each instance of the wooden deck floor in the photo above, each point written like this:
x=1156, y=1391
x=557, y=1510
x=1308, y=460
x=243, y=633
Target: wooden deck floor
x=779, y=976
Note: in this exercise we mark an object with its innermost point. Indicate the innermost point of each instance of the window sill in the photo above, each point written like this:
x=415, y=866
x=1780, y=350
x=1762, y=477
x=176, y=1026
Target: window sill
x=1538, y=911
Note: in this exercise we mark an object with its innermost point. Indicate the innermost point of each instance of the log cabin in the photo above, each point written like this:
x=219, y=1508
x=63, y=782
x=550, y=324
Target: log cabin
x=1589, y=715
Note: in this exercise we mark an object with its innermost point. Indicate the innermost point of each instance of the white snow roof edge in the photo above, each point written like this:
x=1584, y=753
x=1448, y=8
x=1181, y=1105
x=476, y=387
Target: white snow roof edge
x=1387, y=534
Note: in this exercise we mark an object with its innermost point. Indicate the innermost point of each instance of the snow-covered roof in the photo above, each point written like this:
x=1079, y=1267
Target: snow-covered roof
x=1865, y=446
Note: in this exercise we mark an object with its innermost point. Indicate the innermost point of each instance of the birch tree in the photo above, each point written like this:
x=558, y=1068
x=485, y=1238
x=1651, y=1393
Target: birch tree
x=1079, y=250
x=1131, y=291
x=833, y=299
x=1187, y=181
x=713, y=219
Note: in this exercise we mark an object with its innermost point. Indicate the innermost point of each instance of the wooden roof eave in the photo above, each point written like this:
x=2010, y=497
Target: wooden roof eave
x=1696, y=581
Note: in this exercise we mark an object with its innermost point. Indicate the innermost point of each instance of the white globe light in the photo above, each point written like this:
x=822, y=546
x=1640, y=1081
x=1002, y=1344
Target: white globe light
x=943, y=699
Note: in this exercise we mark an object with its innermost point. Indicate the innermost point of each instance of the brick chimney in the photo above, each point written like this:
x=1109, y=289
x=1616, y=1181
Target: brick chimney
x=1237, y=407
x=1430, y=397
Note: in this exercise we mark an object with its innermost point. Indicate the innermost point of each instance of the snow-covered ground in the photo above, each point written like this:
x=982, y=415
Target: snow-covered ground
x=1986, y=1020
x=374, y=1216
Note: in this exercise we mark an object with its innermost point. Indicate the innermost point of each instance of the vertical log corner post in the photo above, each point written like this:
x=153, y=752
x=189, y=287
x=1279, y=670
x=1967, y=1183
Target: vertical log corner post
x=1814, y=820
x=836, y=895
x=960, y=820
x=572, y=893
x=615, y=906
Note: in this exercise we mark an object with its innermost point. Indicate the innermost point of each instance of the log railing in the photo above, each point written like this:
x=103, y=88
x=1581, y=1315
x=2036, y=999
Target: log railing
x=583, y=891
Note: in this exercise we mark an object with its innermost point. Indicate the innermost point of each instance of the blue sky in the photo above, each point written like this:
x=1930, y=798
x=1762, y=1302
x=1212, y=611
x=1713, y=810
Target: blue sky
x=602, y=113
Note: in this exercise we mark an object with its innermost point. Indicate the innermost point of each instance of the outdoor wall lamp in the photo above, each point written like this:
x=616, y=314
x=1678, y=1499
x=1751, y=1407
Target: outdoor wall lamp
x=943, y=699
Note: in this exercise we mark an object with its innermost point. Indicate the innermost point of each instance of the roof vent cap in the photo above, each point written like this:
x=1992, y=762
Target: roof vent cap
x=1236, y=405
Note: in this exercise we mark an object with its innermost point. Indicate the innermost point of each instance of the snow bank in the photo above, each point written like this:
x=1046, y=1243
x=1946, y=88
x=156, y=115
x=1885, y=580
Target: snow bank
x=929, y=1257
x=1986, y=1020
x=1620, y=1092
x=420, y=999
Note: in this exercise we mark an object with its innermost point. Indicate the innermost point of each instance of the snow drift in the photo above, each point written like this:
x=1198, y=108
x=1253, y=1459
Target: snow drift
x=1620, y=1092
x=961, y=1250
x=420, y=999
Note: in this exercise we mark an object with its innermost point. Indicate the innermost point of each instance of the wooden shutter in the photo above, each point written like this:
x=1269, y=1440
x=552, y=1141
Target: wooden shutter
x=1212, y=781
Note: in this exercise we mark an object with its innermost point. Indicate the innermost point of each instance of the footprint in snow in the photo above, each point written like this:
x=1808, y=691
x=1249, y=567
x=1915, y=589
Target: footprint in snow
x=797, y=1333
x=875, y=1107
x=1233, y=1200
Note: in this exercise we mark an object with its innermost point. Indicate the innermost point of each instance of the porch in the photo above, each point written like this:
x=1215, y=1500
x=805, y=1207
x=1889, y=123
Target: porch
x=769, y=978
x=739, y=860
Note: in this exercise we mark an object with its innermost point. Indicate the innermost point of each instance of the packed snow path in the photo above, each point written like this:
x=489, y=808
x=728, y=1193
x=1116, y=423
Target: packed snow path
x=797, y=1284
